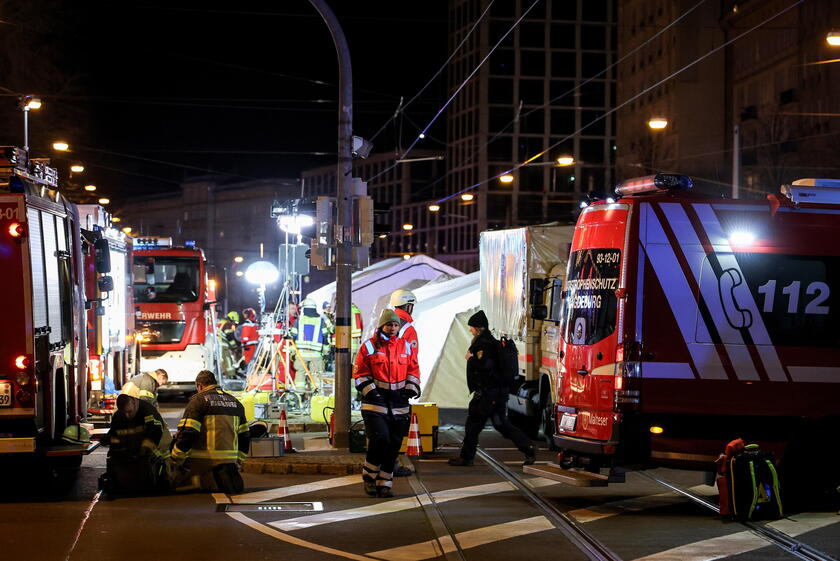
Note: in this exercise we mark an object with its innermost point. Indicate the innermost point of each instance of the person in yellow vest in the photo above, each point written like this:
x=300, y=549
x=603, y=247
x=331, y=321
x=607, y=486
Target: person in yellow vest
x=357, y=329
x=311, y=336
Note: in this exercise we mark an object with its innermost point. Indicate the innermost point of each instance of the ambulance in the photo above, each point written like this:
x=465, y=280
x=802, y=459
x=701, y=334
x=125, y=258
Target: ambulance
x=687, y=321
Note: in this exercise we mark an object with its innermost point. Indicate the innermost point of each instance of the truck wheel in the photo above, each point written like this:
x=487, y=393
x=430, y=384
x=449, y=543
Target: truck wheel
x=547, y=426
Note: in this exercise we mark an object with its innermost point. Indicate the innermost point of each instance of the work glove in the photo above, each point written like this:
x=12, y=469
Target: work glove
x=408, y=393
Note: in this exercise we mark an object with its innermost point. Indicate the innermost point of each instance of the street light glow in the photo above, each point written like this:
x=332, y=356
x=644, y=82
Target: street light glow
x=238, y=259
x=833, y=38
x=408, y=227
x=239, y=273
x=127, y=229
x=116, y=219
x=61, y=146
x=434, y=208
x=565, y=161
x=77, y=168
x=104, y=201
x=32, y=103
x=467, y=197
x=90, y=188
x=506, y=178
x=657, y=123
x=261, y=273
x=293, y=224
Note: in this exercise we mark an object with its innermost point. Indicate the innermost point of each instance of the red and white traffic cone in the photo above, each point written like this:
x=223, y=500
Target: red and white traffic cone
x=415, y=447
x=283, y=430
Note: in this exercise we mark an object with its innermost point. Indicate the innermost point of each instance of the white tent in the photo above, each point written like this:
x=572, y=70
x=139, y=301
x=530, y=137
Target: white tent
x=373, y=283
x=440, y=317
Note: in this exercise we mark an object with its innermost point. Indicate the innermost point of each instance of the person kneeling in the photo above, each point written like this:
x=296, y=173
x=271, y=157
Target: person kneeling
x=134, y=463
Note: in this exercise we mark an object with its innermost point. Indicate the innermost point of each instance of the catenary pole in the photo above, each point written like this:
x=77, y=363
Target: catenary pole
x=343, y=227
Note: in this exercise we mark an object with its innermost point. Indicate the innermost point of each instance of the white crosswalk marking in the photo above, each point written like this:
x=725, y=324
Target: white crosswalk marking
x=597, y=512
x=467, y=540
x=280, y=492
x=742, y=542
x=375, y=509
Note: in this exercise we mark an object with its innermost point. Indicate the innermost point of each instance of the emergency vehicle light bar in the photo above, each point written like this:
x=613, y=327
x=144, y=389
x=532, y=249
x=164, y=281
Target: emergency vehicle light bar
x=150, y=243
x=811, y=190
x=654, y=184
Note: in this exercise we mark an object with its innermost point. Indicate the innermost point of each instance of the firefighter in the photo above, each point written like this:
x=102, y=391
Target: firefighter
x=144, y=387
x=311, y=336
x=212, y=439
x=403, y=302
x=228, y=345
x=490, y=396
x=387, y=376
x=134, y=463
x=247, y=335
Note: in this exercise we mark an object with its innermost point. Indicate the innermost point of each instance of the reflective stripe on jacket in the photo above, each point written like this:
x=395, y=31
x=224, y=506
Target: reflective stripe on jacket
x=311, y=336
x=407, y=330
x=142, y=386
x=213, y=428
x=387, y=366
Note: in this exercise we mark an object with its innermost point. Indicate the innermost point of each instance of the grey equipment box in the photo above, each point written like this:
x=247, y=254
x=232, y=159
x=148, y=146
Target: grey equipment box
x=268, y=447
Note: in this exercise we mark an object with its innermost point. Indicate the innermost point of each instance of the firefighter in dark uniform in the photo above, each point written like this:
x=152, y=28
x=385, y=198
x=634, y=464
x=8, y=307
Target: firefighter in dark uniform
x=490, y=394
x=144, y=387
x=212, y=439
x=134, y=463
x=387, y=376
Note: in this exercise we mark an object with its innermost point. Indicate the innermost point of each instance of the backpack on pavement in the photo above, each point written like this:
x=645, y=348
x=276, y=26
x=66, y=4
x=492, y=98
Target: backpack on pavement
x=753, y=485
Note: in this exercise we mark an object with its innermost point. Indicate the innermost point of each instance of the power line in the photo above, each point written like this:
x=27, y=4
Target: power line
x=163, y=162
x=457, y=91
x=626, y=102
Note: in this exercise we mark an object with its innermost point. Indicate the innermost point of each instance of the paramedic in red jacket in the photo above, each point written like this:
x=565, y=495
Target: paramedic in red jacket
x=403, y=302
x=387, y=376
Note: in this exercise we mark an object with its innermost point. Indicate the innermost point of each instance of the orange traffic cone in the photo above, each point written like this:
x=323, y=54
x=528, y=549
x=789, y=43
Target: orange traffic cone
x=283, y=430
x=415, y=447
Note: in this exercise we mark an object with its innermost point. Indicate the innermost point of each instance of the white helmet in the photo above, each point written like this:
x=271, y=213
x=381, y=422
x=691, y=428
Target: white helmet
x=308, y=303
x=402, y=297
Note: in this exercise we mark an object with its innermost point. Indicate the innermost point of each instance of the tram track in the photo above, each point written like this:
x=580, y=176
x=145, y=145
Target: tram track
x=776, y=537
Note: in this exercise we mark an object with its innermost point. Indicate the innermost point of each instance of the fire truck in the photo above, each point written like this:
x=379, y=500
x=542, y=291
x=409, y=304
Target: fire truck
x=43, y=348
x=176, y=311
x=686, y=322
x=113, y=351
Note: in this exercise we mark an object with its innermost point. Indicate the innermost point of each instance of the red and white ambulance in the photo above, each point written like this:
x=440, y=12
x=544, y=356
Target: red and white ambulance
x=690, y=321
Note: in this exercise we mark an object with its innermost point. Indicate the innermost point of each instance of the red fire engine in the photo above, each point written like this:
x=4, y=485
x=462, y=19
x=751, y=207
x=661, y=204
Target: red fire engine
x=176, y=311
x=113, y=352
x=688, y=321
x=43, y=351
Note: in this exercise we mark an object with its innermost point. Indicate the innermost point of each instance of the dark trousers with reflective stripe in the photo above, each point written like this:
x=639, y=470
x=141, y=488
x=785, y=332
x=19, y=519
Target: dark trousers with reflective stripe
x=490, y=404
x=385, y=434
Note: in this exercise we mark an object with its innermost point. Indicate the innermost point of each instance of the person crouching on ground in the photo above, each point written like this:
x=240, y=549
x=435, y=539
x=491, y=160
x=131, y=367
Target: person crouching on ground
x=387, y=376
x=490, y=394
x=212, y=439
x=134, y=464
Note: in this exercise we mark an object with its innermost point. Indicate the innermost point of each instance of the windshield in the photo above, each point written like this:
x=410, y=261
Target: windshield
x=590, y=302
x=165, y=279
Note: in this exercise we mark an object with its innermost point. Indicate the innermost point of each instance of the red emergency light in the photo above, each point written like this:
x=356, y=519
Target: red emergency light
x=659, y=183
x=17, y=230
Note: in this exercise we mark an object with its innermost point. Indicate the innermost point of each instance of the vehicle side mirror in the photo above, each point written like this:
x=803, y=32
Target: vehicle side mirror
x=539, y=312
x=208, y=305
x=102, y=256
x=105, y=284
x=100, y=310
x=537, y=290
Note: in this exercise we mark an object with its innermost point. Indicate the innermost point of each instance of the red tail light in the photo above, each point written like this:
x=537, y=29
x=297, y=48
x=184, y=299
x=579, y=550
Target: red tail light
x=17, y=230
x=95, y=369
x=21, y=362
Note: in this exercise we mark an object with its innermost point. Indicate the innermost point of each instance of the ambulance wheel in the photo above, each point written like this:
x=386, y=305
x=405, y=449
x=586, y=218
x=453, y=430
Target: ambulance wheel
x=547, y=426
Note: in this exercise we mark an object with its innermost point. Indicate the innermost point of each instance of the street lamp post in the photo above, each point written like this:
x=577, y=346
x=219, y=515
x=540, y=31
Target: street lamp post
x=343, y=228
x=27, y=104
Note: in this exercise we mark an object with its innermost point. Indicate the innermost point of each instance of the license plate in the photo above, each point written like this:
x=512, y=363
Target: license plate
x=5, y=394
x=568, y=422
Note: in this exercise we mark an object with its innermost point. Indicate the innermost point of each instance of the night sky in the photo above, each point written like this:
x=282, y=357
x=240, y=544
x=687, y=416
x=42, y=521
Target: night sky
x=220, y=87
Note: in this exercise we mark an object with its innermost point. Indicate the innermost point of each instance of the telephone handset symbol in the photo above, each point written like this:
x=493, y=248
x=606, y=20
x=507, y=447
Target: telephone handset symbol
x=738, y=317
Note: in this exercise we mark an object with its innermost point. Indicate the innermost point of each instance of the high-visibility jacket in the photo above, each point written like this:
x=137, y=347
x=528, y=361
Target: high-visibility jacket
x=142, y=386
x=311, y=336
x=383, y=369
x=407, y=330
x=249, y=337
x=137, y=436
x=213, y=428
x=356, y=323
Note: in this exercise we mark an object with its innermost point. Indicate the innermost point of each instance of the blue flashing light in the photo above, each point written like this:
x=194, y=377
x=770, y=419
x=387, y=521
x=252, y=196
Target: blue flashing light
x=189, y=243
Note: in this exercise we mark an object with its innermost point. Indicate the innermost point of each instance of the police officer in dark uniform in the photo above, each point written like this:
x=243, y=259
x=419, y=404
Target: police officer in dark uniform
x=490, y=394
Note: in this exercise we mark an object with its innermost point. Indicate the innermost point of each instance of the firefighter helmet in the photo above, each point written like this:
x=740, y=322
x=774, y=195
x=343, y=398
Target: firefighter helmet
x=76, y=434
x=233, y=316
x=402, y=297
x=308, y=303
x=249, y=313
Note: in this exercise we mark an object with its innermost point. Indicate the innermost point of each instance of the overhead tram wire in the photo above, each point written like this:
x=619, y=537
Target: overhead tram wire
x=626, y=102
x=574, y=89
x=402, y=107
x=163, y=162
x=457, y=91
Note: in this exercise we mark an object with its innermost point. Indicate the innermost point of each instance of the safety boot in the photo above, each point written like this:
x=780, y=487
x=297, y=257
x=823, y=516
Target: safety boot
x=530, y=456
x=384, y=492
x=370, y=487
